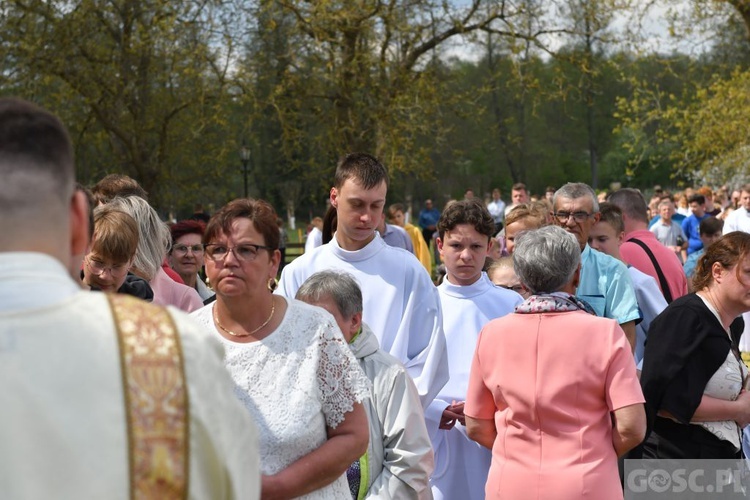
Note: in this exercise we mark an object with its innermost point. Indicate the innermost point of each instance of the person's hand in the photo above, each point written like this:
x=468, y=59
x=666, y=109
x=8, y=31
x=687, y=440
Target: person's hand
x=453, y=413
x=743, y=412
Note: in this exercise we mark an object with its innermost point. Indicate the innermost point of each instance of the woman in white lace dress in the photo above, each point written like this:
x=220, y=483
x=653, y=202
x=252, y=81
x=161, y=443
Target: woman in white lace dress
x=290, y=362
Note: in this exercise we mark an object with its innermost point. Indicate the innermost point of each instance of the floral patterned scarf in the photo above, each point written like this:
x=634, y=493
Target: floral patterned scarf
x=553, y=302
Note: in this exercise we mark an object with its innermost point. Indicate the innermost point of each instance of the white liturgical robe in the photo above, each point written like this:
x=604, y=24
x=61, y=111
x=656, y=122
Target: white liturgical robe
x=461, y=464
x=63, y=419
x=401, y=304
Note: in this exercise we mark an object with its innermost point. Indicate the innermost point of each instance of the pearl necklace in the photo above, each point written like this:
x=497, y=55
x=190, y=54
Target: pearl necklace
x=230, y=332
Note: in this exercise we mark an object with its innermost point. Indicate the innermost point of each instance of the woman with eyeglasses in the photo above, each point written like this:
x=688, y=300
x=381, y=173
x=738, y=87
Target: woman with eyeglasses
x=293, y=369
x=186, y=254
x=113, y=246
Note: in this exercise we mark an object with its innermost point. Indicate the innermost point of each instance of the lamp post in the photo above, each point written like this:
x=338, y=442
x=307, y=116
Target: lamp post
x=245, y=158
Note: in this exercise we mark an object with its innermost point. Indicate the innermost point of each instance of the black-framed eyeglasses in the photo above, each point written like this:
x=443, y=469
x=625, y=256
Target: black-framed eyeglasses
x=516, y=288
x=246, y=252
x=183, y=249
x=563, y=217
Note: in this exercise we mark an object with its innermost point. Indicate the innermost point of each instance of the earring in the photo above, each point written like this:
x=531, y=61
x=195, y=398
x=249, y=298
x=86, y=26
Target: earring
x=272, y=284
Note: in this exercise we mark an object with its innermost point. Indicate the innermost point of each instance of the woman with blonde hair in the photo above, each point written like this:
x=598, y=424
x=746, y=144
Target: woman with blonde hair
x=524, y=217
x=154, y=240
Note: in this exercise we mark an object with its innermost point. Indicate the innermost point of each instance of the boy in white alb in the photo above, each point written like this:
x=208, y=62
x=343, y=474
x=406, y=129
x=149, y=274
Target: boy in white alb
x=401, y=304
x=469, y=300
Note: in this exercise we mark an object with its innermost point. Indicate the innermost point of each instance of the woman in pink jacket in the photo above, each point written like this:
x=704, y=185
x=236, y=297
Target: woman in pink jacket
x=553, y=388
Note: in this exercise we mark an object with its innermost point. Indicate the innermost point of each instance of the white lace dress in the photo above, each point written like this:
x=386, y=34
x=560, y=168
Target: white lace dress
x=294, y=382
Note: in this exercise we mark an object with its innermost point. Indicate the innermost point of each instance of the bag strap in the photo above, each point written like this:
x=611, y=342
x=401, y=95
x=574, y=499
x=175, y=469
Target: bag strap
x=156, y=398
x=662, y=279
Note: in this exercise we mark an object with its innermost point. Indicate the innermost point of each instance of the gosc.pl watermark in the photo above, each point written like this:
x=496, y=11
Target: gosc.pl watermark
x=686, y=479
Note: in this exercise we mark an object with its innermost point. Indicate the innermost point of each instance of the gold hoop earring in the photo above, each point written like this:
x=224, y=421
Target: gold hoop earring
x=272, y=284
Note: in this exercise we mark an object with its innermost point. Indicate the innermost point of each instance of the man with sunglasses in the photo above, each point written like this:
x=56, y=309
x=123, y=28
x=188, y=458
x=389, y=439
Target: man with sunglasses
x=604, y=283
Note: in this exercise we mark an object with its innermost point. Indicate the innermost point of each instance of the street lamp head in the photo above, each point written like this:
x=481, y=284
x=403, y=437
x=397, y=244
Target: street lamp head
x=244, y=152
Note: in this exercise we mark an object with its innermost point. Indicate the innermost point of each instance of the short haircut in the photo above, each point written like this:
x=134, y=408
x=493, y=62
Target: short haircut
x=259, y=212
x=612, y=215
x=154, y=238
x=472, y=212
x=710, y=226
x=697, y=198
x=550, y=189
x=189, y=226
x=705, y=191
x=363, y=168
x=666, y=202
x=36, y=156
x=545, y=259
x=729, y=251
x=519, y=186
x=631, y=202
x=114, y=185
x=745, y=188
x=396, y=207
x=575, y=190
x=534, y=214
x=340, y=286
x=115, y=234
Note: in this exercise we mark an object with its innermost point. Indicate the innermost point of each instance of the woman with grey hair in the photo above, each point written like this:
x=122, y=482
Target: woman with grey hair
x=153, y=243
x=553, y=389
x=397, y=463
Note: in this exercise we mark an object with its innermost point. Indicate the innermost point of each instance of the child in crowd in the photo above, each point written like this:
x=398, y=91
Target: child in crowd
x=113, y=246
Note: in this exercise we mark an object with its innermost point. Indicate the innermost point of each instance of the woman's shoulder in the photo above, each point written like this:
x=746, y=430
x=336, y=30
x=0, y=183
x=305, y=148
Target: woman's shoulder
x=313, y=320
x=684, y=308
x=298, y=309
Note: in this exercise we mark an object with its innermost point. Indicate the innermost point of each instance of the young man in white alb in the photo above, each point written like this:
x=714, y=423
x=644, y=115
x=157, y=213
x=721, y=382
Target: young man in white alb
x=401, y=304
x=469, y=300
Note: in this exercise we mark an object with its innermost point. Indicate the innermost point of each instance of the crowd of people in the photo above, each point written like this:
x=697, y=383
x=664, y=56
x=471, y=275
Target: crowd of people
x=540, y=342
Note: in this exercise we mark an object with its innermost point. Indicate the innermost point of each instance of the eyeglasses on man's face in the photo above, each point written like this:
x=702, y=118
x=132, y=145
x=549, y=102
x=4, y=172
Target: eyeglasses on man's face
x=244, y=253
x=515, y=288
x=182, y=250
x=98, y=268
x=579, y=217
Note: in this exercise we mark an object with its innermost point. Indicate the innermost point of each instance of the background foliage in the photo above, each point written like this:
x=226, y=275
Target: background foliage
x=449, y=94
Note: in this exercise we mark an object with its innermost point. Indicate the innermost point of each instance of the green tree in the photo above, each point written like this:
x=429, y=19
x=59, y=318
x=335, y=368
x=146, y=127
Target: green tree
x=140, y=79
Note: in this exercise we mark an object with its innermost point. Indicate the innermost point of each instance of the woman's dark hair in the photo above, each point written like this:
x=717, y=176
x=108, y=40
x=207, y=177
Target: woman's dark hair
x=330, y=223
x=259, y=212
x=189, y=226
x=729, y=251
